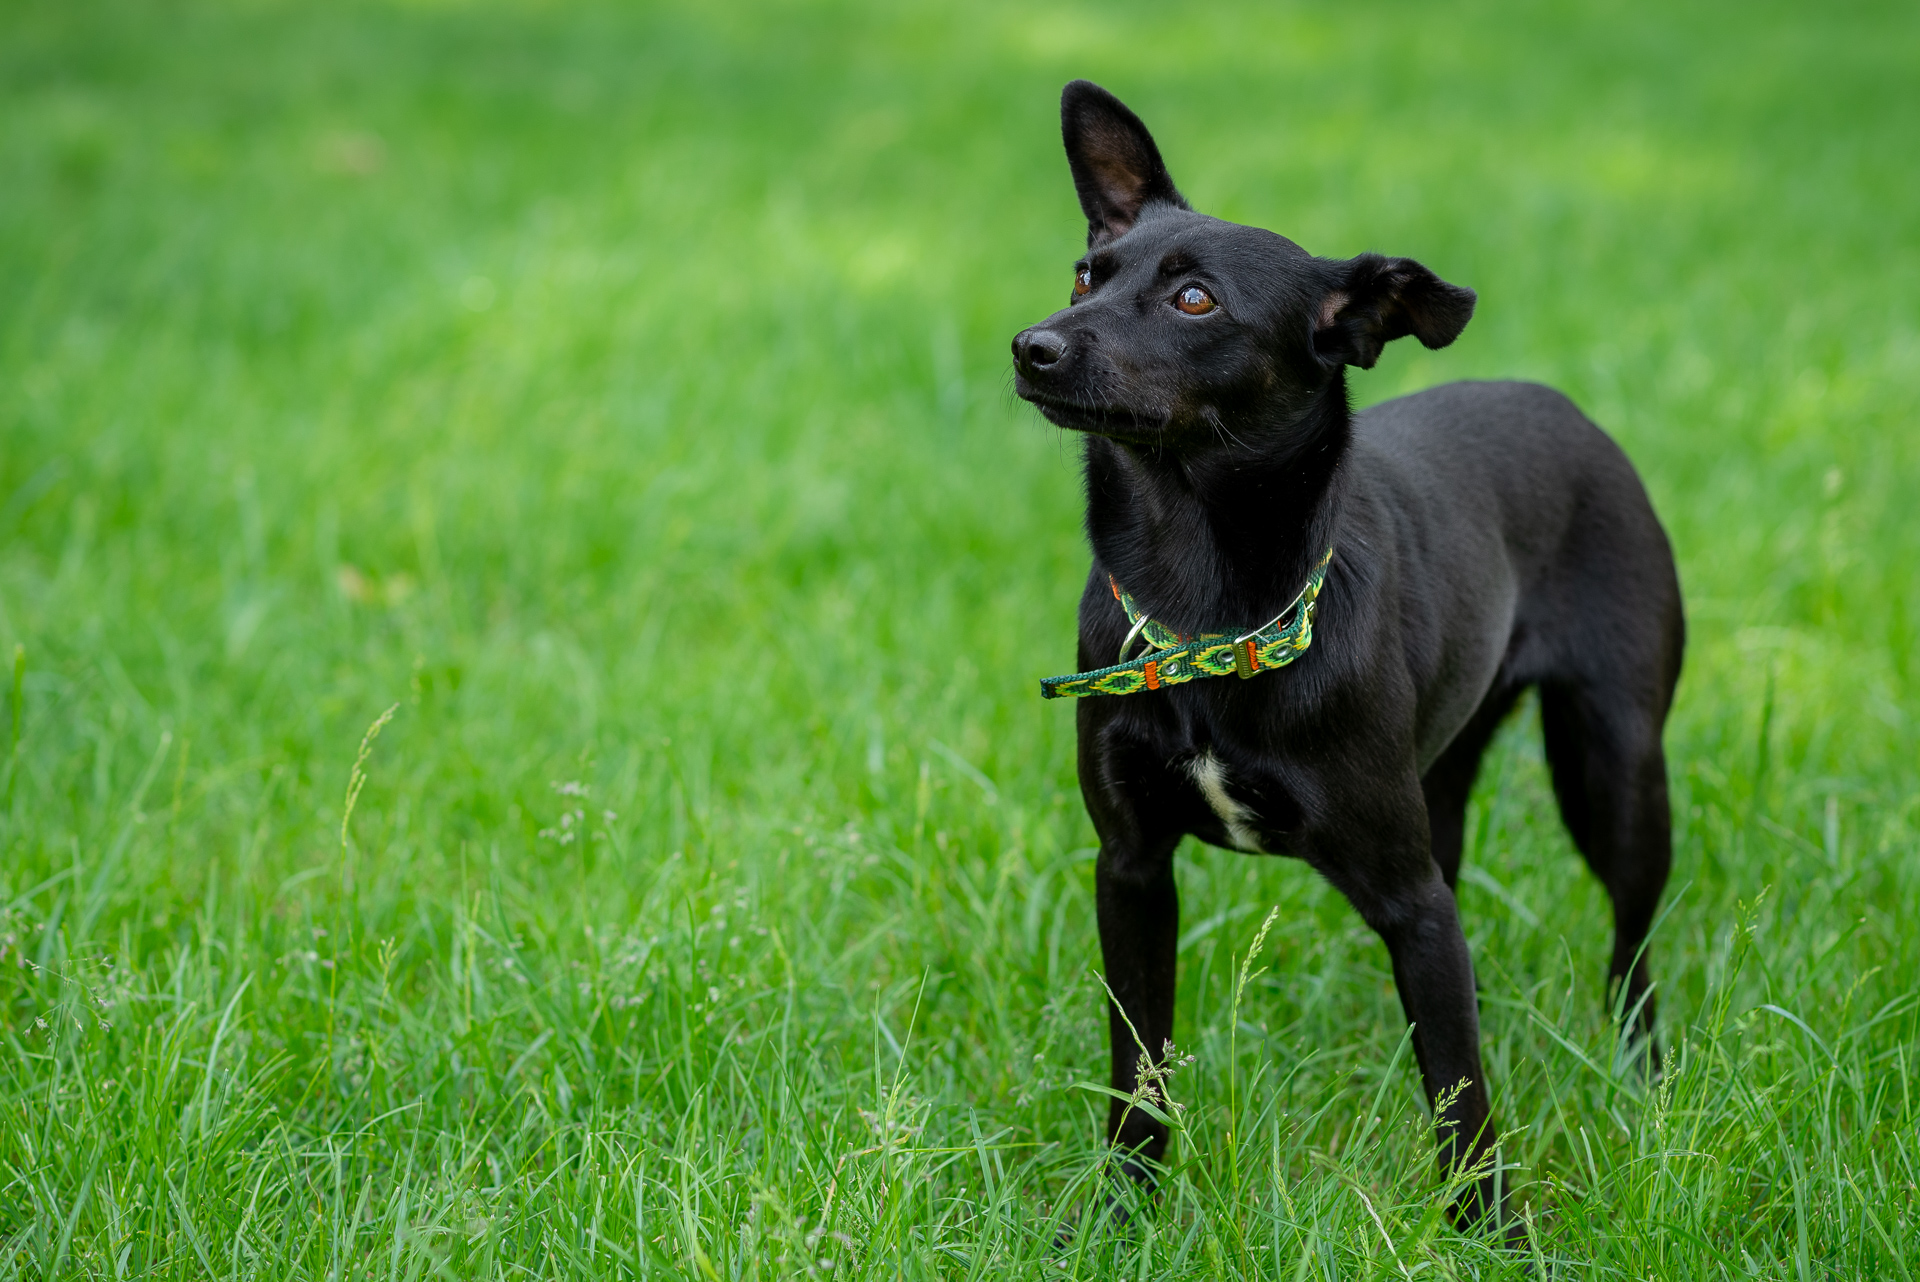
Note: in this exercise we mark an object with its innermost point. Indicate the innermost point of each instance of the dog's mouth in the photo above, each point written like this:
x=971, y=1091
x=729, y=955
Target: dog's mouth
x=1101, y=420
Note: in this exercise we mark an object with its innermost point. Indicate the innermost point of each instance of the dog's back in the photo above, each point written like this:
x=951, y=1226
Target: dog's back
x=1504, y=497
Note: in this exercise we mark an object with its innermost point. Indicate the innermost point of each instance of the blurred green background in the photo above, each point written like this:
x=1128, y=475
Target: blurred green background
x=622, y=392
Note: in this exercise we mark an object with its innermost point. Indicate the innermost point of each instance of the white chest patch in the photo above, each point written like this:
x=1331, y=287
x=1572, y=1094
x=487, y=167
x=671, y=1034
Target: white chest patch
x=1211, y=778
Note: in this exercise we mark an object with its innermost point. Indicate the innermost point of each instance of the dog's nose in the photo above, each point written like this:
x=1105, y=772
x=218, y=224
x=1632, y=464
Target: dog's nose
x=1038, y=348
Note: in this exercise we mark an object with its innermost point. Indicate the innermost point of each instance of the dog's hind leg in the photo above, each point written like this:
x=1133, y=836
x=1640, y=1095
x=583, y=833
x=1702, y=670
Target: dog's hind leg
x=1610, y=775
x=1449, y=780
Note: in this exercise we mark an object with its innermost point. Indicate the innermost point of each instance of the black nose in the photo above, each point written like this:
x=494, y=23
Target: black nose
x=1038, y=348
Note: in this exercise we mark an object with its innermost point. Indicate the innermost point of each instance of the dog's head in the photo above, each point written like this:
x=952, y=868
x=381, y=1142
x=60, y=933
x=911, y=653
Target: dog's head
x=1184, y=330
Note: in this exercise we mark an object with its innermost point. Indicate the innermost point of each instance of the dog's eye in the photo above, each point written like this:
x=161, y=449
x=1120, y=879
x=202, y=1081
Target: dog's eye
x=1194, y=301
x=1082, y=282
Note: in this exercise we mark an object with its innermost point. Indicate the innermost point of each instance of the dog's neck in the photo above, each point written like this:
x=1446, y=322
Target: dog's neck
x=1226, y=536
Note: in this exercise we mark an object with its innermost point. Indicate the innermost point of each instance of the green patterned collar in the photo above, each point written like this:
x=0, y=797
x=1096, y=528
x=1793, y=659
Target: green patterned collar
x=1172, y=658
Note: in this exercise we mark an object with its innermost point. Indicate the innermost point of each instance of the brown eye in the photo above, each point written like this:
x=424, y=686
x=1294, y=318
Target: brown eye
x=1194, y=301
x=1082, y=282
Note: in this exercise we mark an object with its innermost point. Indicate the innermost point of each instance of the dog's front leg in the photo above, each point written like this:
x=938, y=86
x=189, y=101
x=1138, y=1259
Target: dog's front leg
x=1434, y=974
x=1390, y=877
x=1139, y=913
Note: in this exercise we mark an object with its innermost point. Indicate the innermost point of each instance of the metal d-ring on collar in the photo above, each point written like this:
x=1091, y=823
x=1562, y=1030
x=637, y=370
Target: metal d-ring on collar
x=1248, y=636
x=1138, y=624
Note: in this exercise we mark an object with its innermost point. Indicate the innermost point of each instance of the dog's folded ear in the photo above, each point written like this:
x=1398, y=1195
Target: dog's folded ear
x=1378, y=299
x=1116, y=168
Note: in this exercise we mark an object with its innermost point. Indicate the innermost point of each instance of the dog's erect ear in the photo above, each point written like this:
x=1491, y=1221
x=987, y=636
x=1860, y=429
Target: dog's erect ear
x=1116, y=167
x=1380, y=299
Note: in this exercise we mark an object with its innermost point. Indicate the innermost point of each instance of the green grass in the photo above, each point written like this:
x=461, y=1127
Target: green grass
x=620, y=394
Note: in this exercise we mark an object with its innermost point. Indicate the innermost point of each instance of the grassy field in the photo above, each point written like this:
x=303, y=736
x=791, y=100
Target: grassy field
x=618, y=396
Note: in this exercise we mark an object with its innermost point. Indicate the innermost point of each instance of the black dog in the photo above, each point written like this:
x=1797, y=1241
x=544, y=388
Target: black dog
x=1485, y=537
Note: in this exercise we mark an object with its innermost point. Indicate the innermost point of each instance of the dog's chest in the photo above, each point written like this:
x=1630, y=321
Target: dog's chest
x=1238, y=819
x=1235, y=797
x=1197, y=766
